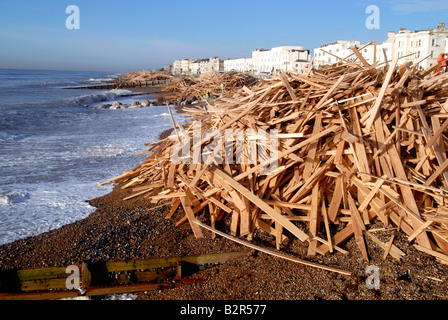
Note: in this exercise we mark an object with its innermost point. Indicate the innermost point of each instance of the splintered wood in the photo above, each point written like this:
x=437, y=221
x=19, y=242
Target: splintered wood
x=215, y=83
x=356, y=143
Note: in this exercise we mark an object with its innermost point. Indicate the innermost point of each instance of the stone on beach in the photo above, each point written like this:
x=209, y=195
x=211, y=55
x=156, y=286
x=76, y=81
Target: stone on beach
x=116, y=105
x=135, y=105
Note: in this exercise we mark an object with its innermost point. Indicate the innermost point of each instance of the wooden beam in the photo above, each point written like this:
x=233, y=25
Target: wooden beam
x=274, y=253
x=376, y=107
x=302, y=236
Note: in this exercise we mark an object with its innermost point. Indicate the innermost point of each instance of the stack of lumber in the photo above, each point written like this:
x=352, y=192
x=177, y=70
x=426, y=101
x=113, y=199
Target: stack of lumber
x=138, y=76
x=361, y=144
x=215, y=83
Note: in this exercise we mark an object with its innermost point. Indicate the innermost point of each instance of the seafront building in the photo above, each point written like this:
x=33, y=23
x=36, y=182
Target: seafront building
x=328, y=53
x=421, y=46
x=414, y=46
x=195, y=67
x=239, y=65
x=271, y=61
x=283, y=58
x=409, y=46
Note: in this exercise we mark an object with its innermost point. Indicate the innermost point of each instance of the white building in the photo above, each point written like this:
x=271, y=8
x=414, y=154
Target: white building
x=329, y=53
x=177, y=67
x=190, y=67
x=217, y=64
x=283, y=58
x=194, y=68
x=413, y=46
x=263, y=62
x=239, y=65
x=407, y=45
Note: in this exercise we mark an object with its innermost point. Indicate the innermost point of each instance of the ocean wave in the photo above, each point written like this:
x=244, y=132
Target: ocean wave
x=100, y=79
x=15, y=197
x=99, y=97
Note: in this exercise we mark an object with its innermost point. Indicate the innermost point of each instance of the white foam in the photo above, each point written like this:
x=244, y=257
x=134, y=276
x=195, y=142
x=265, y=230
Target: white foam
x=99, y=97
x=100, y=79
x=50, y=177
x=4, y=200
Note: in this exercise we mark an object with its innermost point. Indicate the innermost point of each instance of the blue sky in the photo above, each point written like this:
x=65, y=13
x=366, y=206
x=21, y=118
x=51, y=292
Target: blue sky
x=135, y=35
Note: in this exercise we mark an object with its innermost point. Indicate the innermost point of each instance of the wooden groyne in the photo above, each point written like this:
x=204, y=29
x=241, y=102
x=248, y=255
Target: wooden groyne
x=103, y=278
x=120, y=85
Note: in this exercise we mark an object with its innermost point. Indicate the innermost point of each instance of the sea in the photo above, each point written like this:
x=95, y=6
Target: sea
x=55, y=149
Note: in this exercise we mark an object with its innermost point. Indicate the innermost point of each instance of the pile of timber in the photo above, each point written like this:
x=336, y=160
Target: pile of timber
x=143, y=76
x=357, y=143
x=215, y=83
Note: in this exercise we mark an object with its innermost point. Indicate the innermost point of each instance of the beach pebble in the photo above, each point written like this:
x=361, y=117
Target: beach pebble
x=116, y=105
x=145, y=103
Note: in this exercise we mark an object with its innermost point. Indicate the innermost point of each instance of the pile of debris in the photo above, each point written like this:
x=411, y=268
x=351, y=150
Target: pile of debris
x=355, y=143
x=141, y=76
x=216, y=83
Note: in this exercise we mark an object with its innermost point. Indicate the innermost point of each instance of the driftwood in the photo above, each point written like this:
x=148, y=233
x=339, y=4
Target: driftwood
x=368, y=143
x=138, y=76
x=216, y=83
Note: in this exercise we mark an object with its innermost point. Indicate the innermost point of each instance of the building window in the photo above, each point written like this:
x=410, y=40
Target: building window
x=433, y=42
x=432, y=53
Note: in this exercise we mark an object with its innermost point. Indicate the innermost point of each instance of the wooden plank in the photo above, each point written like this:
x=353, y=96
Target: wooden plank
x=314, y=219
x=190, y=215
x=309, y=160
x=436, y=173
x=358, y=227
x=274, y=253
x=173, y=209
x=360, y=57
x=327, y=225
x=376, y=107
x=371, y=194
x=433, y=253
x=389, y=246
x=288, y=87
x=261, y=204
x=394, y=251
x=408, y=196
x=329, y=92
x=336, y=200
x=420, y=230
x=437, y=134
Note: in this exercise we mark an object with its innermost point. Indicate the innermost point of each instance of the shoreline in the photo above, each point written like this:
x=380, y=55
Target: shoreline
x=133, y=229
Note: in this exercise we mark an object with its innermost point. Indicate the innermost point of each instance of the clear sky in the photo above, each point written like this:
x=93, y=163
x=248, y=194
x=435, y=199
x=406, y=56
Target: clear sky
x=135, y=34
